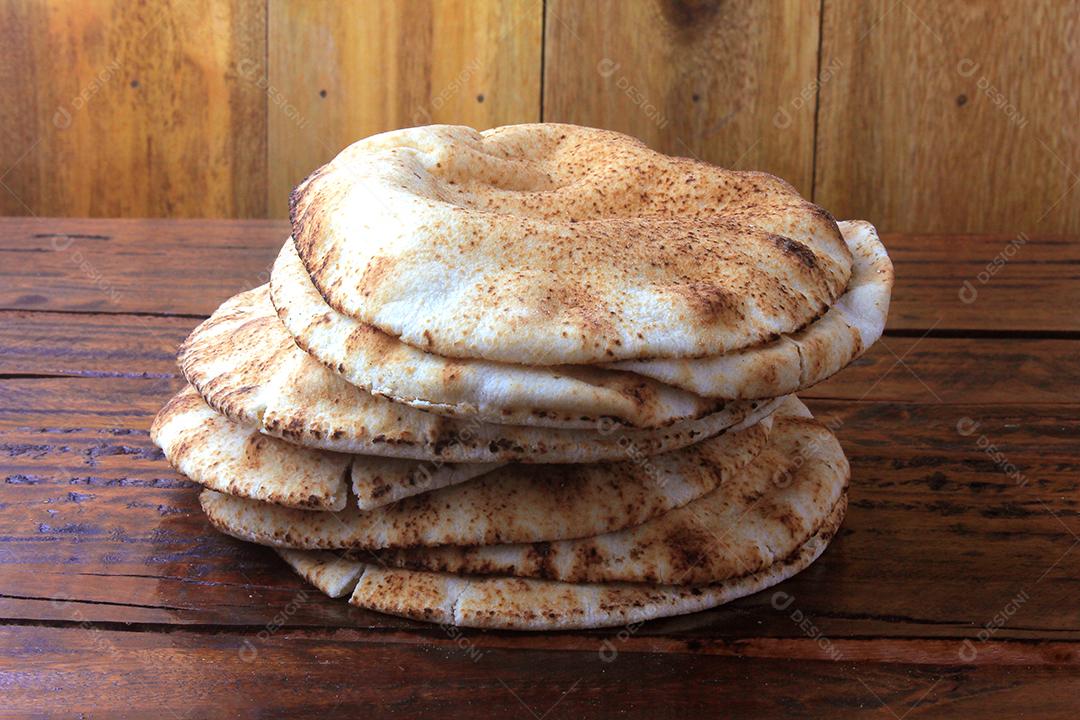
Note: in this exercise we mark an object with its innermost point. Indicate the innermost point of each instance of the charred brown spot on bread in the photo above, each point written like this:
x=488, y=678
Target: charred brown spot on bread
x=376, y=344
x=182, y=449
x=790, y=520
x=451, y=372
x=375, y=273
x=688, y=547
x=709, y=302
x=795, y=249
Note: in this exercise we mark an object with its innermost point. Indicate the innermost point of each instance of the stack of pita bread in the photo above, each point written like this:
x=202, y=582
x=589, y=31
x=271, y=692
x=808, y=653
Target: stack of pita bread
x=535, y=377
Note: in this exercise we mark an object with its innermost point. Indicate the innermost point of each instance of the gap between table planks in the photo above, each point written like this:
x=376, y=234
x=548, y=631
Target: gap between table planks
x=101, y=544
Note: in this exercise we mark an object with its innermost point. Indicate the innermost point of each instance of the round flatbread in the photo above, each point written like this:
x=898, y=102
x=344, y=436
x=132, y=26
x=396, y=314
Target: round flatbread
x=235, y=459
x=804, y=358
x=567, y=396
x=550, y=244
x=246, y=366
x=756, y=517
x=230, y=458
x=513, y=504
x=526, y=604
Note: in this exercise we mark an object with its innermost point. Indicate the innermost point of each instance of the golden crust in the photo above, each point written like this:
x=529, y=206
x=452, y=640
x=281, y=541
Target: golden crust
x=516, y=503
x=247, y=367
x=556, y=244
x=749, y=522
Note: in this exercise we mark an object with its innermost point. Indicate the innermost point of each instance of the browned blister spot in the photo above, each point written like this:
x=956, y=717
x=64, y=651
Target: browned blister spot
x=376, y=272
x=795, y=249
x=710, y=303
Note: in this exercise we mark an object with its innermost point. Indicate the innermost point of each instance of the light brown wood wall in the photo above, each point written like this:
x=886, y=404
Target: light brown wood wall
x=922, y=116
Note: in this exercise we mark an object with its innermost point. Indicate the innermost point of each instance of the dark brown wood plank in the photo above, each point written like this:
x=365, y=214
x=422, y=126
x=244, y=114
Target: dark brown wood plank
x=960, y=371
x=940, y=537
x=189, y=267
x=905, y=369
x=90, y=344
x=985, y=282
x=133, y=266
x=184, y=674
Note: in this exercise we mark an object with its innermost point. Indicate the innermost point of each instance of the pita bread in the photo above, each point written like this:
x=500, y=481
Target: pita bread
x=378, y=481
x=514, y=504
x=805, y=358
x=756, y=517
x=225, y=456
x=524, y=604
x=331, y=574
x=246, y=366
x=563, y=396
x=764, y=510
x=550, y=244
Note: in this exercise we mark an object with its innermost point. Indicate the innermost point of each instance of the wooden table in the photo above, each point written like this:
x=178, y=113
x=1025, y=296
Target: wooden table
x=952, y=590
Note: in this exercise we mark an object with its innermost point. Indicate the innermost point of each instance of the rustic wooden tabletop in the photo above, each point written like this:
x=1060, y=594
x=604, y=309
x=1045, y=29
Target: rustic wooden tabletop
x=953, y=588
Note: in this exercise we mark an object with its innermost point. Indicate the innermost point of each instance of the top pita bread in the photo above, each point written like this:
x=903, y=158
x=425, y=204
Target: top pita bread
x=246, y=366
x=563, y=396
x=554, y=244
x=796, y=361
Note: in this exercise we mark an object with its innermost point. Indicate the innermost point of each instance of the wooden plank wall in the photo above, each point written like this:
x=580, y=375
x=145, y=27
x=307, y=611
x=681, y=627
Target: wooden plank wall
x=937, y=117
x=355, y=69
x=952, y=116
x=110, y=108
x=694, y=79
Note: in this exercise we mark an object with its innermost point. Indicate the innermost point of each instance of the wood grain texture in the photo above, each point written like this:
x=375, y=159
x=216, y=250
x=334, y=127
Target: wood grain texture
x=343, y=71
x=237, y=675
x=951, y=117
x=922, y=117
x=189, y=267
x=728, y=82
x=133, y=266
x=110, y=108
x=985, y=283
